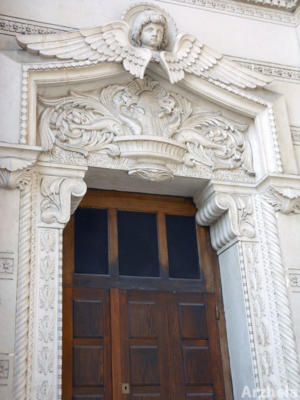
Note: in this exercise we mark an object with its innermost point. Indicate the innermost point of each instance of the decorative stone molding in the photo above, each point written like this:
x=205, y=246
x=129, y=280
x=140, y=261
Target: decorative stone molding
x=282, y=72
x=7, y=265
x=284, y=350
x=10, y=25
x=288, y=4
x=61, y=197
x=232, y=7
x=294, y=279
x=296, y=134
x=286, y=200
x=16, y=164
x=144, y=122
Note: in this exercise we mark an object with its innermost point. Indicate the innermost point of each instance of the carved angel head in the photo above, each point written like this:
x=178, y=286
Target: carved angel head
x=150, y=30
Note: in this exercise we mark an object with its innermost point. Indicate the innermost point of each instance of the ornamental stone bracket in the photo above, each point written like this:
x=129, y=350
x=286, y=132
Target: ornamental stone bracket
x=230, y=216
x=61, y=196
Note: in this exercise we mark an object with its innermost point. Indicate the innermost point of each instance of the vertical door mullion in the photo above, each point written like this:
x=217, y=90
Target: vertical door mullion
x=162, y=244
x=113, y=252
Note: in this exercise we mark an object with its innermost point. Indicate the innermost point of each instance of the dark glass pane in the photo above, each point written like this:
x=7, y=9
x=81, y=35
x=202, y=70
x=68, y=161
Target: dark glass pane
x=138, y=248
x=182, y=247
x=91, y=241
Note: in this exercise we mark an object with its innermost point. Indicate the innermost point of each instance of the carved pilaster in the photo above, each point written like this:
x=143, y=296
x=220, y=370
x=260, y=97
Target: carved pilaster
x=249, y=222
x=58, y=198
x=16, y=172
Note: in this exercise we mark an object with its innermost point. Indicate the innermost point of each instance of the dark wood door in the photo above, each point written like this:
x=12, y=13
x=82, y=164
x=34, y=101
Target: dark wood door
x=142, y=319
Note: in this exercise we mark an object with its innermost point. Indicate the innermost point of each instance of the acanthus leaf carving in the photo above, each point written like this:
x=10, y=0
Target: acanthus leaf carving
x=142, y=121
x=78, y=123
x=286, y=200
x=61, y=196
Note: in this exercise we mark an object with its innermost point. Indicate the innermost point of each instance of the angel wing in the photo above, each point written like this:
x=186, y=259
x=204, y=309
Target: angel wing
x=189, y=55
x=104, y=43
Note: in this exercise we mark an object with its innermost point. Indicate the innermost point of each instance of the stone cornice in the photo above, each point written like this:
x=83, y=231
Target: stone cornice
x=240, y=9
x=16, y=164
x=10, y=25
x=278, y=71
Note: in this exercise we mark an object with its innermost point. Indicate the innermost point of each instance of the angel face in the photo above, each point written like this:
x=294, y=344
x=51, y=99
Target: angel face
x=152, y=35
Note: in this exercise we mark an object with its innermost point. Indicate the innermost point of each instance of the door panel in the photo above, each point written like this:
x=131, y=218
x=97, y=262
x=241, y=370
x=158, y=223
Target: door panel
x=87, y=356
x=143, y=343
x=131, y=334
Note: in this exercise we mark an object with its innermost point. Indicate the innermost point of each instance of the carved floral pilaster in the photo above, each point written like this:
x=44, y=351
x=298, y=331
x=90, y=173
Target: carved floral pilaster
x=58, y=197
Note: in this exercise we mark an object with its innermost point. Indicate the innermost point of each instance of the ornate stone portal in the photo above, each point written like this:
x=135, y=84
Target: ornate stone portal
x=88, y=113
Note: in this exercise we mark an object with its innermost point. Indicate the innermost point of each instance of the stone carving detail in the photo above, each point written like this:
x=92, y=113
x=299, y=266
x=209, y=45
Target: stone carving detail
x=285, y=200
x=15, y=167
x=294, y=280
x=285, y=350
x=288, y=4
x=144, y=122
x=4, y=369
x=144, y=35
x=57, y=205
x=259, y=317
x=243, y=10
x=279, y=71
x=13, y=25
x=45, y=392
x=22, y=366
x=47, y=310
x=6, y=264
x=238, y=222
x=295, y=130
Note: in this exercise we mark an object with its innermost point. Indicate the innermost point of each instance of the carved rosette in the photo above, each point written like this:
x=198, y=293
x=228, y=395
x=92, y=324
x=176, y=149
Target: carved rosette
x=154, y=128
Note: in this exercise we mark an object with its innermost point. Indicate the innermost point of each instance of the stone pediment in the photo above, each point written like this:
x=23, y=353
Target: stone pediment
x=155, y=131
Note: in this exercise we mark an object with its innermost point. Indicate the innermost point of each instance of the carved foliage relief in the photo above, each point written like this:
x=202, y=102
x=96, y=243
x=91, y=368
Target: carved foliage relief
x=156, y=130
x=47, y=310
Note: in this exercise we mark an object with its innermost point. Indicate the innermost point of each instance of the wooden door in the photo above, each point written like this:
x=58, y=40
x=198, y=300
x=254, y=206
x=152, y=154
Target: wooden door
x=142, y=313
